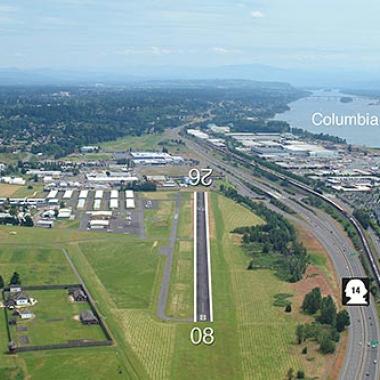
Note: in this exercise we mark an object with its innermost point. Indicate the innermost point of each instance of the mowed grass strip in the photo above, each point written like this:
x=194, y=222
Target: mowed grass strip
x=151, y=340
x=265, y=333
x=181, y=292
x=158, y=221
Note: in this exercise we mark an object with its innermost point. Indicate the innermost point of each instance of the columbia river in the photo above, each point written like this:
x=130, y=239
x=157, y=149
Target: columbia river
x=328, y=103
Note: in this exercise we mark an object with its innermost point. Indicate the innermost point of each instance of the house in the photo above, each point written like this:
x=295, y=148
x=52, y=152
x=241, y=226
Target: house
x=87, y=317
x=78, y=294
x=15, y=288
x=18, y=299
x=25, y=314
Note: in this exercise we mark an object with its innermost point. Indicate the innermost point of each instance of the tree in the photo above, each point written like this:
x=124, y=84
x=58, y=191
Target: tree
x=342, y=320
x=15, y=279
x=363, y=217
x=327, y=345
x=300, y=333
x=312, y=301
x=28, y=221
x=300, y=374
x=328, y=311
x=1, y=282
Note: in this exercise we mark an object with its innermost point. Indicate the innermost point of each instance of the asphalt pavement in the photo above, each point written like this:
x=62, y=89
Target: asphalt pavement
x=203, y=311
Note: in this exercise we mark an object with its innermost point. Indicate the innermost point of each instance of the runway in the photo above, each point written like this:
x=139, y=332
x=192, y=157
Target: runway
x=203, y=310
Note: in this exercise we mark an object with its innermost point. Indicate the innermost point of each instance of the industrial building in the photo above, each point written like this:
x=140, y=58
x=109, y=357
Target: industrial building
x=155, y=158
x=198, y=134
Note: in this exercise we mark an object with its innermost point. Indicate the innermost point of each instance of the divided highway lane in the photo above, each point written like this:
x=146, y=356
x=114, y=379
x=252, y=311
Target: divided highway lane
x=202, y=263
x=361, y=360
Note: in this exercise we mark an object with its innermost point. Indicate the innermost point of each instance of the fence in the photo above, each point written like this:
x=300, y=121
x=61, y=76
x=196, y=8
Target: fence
x=71, y=344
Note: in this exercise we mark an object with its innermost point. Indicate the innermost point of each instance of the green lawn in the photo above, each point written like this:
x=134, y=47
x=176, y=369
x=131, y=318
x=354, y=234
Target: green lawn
x=37, y=255
x=145, y=142
x=126, y=270
x=37, y=265
x=158, y=220
x=180, y=304
x=56, y=320
x=35, y=192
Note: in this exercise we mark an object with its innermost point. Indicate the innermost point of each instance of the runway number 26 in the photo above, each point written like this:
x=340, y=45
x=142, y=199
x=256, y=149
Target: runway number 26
x=205, y=336
x=200, y=177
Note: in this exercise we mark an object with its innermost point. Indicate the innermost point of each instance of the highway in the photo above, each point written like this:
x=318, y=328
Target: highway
x=202, y=262
x=360, y=360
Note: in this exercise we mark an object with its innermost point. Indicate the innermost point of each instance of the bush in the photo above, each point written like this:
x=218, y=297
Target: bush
x=300, y=374
x=327, y=345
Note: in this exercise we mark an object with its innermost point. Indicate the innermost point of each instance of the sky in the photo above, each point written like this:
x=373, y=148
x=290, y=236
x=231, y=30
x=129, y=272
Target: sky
x=116, y=34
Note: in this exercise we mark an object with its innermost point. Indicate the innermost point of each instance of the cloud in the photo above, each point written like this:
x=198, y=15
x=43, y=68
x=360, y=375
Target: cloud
x=257, y=14
x=222, y=50
x=153, y=50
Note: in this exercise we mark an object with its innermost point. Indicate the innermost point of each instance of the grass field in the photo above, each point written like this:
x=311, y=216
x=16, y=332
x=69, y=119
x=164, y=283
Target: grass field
x=36, y=265
x=35, y=192
x=145, y=142
x=254, y=338
x=180, y=304
x=37, y=255
x=8, y=190
x=56, y=320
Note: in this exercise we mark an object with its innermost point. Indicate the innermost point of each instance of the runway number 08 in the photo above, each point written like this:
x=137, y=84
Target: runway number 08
x=205, y=336
x=200, y=177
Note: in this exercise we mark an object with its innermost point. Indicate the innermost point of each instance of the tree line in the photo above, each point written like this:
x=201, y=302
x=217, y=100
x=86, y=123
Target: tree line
x=276, y=239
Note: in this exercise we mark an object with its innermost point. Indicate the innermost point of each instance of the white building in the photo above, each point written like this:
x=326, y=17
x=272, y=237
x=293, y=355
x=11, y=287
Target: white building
x=114, y=203
x=64, y=213
x=83, y=194
x=114, y=194
x=197, y=133
x=129, y=194
x=68, y=194
x=130, y=203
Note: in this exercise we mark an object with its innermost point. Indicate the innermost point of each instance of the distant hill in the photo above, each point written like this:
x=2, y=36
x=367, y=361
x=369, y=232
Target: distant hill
x=253, y=72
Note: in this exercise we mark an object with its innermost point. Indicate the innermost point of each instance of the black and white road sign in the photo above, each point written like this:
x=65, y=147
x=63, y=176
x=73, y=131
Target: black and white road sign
x=355, y=291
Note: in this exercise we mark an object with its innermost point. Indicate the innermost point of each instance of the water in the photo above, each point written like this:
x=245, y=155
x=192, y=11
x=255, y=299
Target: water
x=328, y=102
